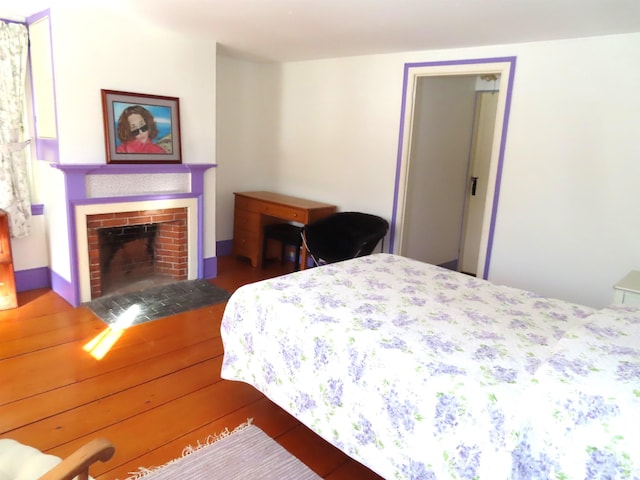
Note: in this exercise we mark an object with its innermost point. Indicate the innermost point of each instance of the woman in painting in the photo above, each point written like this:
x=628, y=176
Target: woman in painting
x=136, y=130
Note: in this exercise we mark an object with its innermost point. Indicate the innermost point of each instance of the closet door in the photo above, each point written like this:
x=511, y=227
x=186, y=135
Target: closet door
x=437, y=170
x=476, y=197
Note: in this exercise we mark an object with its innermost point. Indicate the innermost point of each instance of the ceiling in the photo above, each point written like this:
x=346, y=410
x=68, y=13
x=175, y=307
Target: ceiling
x=291, y=30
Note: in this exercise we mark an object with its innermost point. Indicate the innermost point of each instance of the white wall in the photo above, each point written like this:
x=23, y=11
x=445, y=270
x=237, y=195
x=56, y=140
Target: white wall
x=97, y=48
x=571, y=188
x=339, y=133
x=247, y=125
x=566, y=224
x=31, y=252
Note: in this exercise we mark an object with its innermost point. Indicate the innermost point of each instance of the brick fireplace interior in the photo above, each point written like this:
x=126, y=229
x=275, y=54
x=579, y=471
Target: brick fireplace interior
x=134, y=250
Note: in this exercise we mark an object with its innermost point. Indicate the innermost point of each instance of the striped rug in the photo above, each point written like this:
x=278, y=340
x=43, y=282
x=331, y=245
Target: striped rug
x=246, y=453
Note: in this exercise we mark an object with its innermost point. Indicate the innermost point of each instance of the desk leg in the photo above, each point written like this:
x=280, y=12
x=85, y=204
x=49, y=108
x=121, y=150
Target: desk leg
x=303, y=258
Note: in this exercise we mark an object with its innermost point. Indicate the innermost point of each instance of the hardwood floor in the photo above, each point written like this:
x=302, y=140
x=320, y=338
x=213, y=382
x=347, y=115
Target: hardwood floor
x=155, y=391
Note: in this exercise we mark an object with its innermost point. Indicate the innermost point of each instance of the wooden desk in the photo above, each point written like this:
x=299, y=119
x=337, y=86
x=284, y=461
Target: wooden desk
x=254, y=210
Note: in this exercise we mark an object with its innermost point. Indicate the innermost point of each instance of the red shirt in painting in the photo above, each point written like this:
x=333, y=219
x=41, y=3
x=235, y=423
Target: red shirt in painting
x=134, y=146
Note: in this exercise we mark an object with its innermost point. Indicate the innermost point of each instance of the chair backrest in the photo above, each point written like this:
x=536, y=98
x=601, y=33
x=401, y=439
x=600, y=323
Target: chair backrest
x=344, y=235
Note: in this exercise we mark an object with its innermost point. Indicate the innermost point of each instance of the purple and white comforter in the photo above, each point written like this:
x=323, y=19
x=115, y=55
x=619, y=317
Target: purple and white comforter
x=424, y=373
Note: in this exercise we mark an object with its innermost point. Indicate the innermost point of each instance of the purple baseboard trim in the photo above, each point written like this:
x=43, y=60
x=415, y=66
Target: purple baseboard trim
x=32, y=279
x=224, y=248
x=211, y=267
x=65, y=289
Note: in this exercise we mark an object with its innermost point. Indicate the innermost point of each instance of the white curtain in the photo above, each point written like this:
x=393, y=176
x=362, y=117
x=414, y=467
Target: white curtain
x=14, y=177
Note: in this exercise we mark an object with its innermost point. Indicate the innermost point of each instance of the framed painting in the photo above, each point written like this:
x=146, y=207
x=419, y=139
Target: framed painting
x=140, y=128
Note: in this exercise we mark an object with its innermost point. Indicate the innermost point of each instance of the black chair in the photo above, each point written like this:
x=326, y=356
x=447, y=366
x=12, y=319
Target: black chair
x=342, y=236
x=288, y=235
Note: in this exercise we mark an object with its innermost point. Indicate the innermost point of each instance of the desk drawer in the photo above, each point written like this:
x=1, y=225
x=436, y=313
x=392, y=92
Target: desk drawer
x=247, y=204
x=262, y=207
x=284, y=213
x=246, y=243
x=246, y=220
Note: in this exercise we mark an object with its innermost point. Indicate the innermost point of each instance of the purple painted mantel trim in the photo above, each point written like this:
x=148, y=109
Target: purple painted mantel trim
x=210, y=267
x=75, y=187
x=75, y=174
x=503, y=140
x=146, y=168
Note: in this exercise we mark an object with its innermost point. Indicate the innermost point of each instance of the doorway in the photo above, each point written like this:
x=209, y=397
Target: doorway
x=427, y=190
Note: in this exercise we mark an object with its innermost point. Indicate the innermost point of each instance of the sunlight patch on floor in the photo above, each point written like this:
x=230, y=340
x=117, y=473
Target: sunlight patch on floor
x=100, y=345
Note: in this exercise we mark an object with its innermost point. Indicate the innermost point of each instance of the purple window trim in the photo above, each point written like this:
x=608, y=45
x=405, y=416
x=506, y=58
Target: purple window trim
x=8, y=20
x=47, y=149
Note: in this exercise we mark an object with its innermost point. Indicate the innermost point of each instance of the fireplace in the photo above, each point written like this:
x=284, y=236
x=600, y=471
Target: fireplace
x=97, y=189
x=133, y=250
x=171, y=255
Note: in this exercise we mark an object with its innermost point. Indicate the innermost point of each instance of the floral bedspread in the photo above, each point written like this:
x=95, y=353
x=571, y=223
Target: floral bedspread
x=424, y=373
x=585, y=403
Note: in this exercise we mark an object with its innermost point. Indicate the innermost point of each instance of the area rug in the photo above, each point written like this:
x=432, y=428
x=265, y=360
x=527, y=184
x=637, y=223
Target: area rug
x=245, y=453
x=157, y=302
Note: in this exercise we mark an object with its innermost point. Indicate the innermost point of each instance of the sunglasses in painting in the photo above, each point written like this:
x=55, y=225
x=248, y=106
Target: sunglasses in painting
x=137, y=131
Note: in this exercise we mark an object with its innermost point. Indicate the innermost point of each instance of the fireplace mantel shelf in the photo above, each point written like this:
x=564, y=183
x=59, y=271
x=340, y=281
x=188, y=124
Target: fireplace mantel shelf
x=110, y=169
x=76, y=173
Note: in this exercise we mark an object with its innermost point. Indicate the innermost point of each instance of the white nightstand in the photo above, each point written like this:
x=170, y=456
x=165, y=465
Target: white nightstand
x=627, y=290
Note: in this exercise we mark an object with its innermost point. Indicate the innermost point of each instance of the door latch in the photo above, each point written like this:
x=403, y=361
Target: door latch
x=474, y=184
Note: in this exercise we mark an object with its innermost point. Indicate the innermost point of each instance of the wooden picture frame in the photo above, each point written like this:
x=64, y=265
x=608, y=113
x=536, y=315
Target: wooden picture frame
x=140, y=128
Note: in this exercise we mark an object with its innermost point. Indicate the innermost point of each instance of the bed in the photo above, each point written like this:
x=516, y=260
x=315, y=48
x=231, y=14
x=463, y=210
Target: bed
x=421, y=373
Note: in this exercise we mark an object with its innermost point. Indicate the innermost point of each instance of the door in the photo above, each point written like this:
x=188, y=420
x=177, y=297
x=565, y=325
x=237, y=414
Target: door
x=480, y=161
x=438, y=163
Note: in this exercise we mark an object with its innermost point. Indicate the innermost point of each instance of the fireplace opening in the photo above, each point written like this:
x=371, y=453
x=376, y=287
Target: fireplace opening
x=127, y=257
x=133, y=251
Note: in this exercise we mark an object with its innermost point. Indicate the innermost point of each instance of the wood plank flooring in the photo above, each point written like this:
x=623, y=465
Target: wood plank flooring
x=155, y=391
